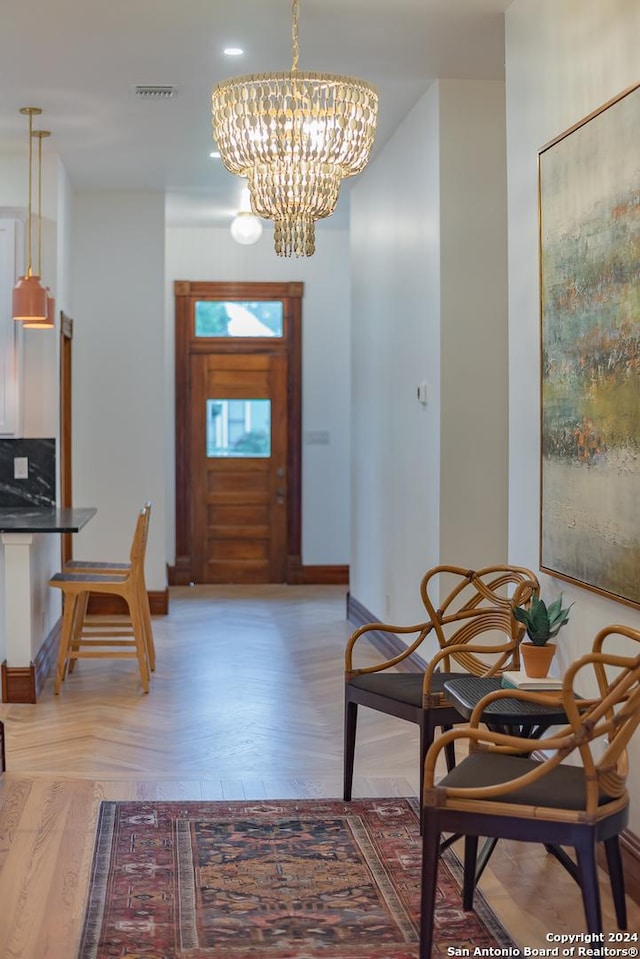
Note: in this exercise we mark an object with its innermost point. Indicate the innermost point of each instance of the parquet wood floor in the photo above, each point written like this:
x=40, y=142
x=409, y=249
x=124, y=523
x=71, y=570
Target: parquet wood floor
x=246, y=702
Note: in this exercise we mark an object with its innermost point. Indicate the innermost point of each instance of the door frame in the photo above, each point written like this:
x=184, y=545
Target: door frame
x=66, y=428
x=186, y=293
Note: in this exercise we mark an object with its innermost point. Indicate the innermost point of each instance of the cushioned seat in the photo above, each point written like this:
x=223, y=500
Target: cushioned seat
x=564, y=783
x=403, y=687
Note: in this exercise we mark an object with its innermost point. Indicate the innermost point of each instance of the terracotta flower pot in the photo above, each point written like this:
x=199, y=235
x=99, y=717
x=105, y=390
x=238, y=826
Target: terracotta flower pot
x=537, y=659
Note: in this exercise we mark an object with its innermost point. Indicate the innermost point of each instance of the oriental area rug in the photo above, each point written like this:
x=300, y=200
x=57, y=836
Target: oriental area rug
x=310, y=879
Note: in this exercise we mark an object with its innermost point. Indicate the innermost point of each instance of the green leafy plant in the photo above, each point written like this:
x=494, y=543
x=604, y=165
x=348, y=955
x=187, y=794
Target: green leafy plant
x=542, y=622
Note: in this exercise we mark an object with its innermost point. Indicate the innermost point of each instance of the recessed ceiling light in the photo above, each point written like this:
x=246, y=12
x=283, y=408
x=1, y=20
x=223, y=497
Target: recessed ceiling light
x=214, y=155
x=233, y=51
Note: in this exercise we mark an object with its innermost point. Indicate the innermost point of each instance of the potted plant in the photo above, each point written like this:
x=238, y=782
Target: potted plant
x=542, y=624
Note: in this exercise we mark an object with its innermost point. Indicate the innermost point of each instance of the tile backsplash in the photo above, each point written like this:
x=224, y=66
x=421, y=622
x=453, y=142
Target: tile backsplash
x=36, y=458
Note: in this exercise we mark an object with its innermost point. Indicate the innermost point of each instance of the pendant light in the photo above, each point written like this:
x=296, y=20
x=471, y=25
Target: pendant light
x=246, y=228
x=295, y=136
x=49, y=321
x=29, y=299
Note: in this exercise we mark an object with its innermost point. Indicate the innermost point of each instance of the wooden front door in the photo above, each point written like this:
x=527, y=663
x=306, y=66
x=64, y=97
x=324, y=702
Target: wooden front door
x=239, y=467
x=238, y=412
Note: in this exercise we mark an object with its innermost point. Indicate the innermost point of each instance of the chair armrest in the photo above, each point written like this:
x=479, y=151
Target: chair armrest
x=422, y=629
x=452, y=651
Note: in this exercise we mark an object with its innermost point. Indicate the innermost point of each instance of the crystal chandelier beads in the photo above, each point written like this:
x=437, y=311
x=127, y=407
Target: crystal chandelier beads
x=295, y=136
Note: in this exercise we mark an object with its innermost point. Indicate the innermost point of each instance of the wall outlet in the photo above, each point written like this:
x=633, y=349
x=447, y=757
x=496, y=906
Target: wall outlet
x=20, y=467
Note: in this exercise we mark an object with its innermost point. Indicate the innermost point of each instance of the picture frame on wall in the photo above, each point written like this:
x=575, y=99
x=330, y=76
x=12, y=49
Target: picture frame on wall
x=589, y=238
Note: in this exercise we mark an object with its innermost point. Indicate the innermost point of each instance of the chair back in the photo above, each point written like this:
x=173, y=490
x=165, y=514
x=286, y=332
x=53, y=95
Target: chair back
x=600, y=729
x=464, y=605
x=139, y=543
x=597, y=733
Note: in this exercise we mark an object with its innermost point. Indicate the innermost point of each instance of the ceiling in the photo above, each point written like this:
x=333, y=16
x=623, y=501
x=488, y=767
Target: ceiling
x=80, y=61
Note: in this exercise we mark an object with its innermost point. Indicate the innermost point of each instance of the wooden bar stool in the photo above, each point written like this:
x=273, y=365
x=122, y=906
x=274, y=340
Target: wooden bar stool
x=98, y=568
x=100, y=639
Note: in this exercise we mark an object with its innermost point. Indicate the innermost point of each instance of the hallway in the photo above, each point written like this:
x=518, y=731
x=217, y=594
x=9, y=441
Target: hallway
x=246, y=702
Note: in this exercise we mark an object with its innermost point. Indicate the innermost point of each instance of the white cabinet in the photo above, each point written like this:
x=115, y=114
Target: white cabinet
x=11, y=245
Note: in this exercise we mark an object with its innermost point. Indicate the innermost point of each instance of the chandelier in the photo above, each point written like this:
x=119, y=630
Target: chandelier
x=294, y=136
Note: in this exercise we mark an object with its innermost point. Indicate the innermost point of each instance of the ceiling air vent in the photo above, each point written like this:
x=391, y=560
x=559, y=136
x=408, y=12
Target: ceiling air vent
x=149, y=92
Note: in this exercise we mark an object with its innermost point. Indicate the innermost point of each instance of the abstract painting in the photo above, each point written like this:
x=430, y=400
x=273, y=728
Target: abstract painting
x=589, y=208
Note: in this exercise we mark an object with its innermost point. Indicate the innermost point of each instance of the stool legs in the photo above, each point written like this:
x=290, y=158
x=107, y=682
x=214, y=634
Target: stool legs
x=78, y=642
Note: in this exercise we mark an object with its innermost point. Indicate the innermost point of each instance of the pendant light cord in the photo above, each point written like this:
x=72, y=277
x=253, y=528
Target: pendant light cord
x=30, y=112
x=29, y=270
x=39, y=205
x=40, y=134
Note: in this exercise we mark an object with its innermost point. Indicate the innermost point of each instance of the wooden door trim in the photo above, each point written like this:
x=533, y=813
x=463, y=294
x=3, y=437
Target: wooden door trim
x=66, y=445
x=186, y=292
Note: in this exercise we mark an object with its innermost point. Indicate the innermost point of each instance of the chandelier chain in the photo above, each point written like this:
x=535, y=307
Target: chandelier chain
x=294, y=36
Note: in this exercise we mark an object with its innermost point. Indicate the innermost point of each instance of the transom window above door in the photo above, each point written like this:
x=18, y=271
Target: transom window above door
x=234, y=318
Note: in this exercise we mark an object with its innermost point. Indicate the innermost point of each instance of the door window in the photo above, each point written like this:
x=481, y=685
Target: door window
x=238, y=428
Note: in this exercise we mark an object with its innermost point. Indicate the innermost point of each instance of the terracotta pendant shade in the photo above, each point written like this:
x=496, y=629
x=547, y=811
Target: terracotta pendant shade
x=49, y=321
x=29, y=300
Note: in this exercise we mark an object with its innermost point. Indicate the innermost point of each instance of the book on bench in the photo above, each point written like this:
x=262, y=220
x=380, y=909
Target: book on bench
x=518, y=679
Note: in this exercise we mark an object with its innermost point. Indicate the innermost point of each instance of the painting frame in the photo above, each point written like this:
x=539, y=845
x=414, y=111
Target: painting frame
x=589, y=262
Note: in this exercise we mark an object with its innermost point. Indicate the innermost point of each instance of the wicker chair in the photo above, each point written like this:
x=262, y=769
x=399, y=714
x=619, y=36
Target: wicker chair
x=473, y=631
x=500, y=792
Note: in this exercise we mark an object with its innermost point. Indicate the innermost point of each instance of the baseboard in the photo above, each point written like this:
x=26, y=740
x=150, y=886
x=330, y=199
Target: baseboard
x=630, y=845
x=23, y=684
x=630, y=850
x=318, y=575
x=386, y=643
x=297, y=574
x=180, y=574
x=102, y=604
x=18, y=684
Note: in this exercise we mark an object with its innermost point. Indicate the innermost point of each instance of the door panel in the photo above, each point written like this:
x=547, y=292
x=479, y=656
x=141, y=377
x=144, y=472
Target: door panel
x=238, y=468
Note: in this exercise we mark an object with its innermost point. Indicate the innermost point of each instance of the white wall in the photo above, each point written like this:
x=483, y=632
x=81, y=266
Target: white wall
x=565, y=58
x=473, y=324
x=210, y=254
x=428, y=222
x=395, y=214
x=120, y=430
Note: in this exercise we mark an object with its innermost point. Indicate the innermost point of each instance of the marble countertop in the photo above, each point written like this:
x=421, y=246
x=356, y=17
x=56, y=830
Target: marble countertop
x=34, y=519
